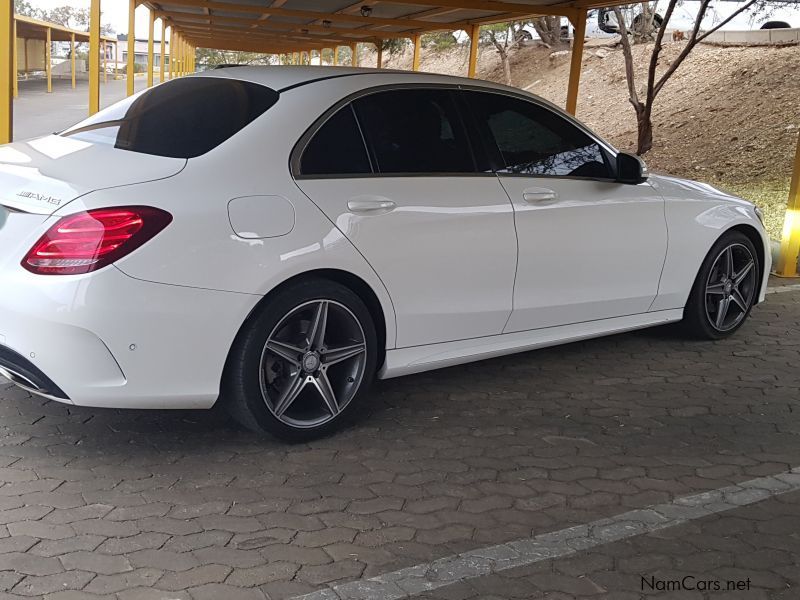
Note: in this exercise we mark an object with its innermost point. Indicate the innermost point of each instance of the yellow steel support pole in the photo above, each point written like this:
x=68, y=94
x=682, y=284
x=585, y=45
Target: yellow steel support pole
x=790, y=240
x=94, y=57
x=25, y=48
x=415, y=61
x=14, y=60
x=104, y=45
x=150, y=53
x=335, y=56
x=171, y=52
x=379, y=59
x=6, y=71
x=130, y=67
x=47, y=59
x=72, y=57
x=354, y=54
x=576, y=61
x=161, y=66
x=474, y=39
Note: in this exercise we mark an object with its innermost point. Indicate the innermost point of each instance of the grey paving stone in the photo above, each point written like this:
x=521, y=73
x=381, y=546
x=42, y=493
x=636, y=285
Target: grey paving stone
x=94, y=562
x=163, y=559
x=257, y=576
x=111, y=584
x=194, y=577
x=39, y=586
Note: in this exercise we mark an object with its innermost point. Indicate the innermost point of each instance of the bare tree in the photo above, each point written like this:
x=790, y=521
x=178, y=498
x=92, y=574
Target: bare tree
x=644, y=108
x=504, y=37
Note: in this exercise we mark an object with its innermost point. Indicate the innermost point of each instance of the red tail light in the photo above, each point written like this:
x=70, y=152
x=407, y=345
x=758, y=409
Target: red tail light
x=88, y=241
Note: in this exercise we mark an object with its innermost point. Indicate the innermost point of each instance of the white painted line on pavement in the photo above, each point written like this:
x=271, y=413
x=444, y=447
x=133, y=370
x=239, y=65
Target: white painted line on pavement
x=425, y=577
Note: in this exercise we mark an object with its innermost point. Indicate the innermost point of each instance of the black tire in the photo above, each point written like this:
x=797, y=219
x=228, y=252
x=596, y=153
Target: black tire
x=253, y=400
x=702, y=308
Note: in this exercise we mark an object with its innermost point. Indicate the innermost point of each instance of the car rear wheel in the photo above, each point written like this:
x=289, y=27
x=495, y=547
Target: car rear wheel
x=303, y=363
x=725, y=289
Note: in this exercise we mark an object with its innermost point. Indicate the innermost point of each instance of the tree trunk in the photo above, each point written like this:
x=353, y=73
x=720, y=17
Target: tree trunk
x=506, y=66
x=644, y=141
x=549, y=29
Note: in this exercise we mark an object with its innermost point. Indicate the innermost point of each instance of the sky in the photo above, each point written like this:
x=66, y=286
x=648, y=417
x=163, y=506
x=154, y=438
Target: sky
x=115, y=13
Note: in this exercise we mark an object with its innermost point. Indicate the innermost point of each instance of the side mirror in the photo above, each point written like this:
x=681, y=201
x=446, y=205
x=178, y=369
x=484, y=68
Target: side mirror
x=631, y=168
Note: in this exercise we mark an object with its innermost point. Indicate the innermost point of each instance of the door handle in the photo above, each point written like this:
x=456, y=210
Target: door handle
x=371, y=206
x=539, y=195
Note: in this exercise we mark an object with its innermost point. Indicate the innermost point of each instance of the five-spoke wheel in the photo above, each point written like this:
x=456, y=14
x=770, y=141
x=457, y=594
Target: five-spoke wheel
x=730, y=287
x=300, y=366
x=725, y=289
x=313, y=363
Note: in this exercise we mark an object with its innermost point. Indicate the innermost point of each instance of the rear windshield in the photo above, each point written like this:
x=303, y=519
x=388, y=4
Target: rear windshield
x=180, y=119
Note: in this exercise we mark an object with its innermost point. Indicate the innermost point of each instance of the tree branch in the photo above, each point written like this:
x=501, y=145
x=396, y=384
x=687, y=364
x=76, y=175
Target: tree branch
x=630, y=75
x=733, y=15
x=651, y=71
x=694, y=39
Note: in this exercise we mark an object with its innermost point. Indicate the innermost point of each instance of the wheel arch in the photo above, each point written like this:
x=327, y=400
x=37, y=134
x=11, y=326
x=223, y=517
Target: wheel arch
x=353, y=282
x=755, y=237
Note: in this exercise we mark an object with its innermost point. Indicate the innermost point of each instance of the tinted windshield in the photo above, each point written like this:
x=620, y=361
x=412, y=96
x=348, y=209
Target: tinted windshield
x=179, y=119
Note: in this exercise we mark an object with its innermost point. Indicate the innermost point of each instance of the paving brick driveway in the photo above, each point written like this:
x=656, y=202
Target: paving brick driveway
x=103, y=503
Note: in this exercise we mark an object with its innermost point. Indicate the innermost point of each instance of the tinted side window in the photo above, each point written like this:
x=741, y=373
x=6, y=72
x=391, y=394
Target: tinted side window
x=336, y=148
x=533, y=140
x=180, y=119
x=414, y=131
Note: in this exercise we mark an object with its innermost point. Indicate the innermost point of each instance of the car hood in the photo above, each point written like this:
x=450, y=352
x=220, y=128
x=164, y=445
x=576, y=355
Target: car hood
x=42, y=175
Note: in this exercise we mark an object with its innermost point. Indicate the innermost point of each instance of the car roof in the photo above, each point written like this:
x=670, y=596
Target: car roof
x=281, y=77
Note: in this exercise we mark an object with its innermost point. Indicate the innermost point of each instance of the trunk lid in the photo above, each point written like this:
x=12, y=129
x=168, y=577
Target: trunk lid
x=42, y=175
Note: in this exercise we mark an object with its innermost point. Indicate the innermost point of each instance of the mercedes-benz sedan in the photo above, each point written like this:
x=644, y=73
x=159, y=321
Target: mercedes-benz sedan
x=276, y=238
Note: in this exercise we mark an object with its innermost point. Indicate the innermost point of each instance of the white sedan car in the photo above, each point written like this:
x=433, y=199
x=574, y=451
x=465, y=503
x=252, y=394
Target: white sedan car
x=275, y=238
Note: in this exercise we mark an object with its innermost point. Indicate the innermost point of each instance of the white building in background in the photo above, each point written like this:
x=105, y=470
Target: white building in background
x=140, y=51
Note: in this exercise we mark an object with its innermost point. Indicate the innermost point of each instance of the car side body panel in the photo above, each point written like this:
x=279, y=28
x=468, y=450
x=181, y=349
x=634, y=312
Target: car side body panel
x=595, y=251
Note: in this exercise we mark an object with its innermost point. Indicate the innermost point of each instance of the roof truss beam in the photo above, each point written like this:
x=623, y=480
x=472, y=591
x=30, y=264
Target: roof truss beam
x=187, y=19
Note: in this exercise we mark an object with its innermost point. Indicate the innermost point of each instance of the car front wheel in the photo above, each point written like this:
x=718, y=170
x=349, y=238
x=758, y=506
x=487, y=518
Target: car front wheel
x=725, y=289
x=304, y=363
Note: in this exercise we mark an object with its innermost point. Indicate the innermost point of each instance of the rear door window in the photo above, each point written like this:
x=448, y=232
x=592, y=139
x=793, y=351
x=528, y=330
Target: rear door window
x=179, y=119
x=415, y=131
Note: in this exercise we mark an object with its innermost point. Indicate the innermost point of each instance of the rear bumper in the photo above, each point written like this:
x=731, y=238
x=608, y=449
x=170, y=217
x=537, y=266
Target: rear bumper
x=108, y=340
